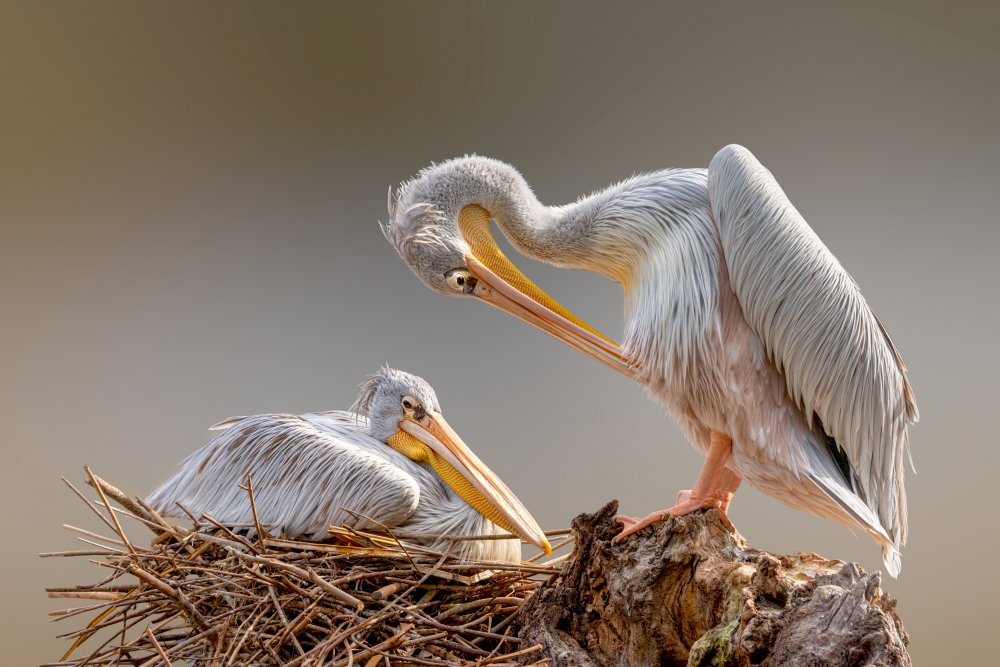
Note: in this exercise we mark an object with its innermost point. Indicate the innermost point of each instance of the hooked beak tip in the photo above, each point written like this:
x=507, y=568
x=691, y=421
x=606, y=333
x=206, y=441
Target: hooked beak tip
x=546, y=547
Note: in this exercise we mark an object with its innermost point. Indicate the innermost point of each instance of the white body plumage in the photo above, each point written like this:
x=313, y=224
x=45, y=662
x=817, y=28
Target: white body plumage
x=738, y=319
x=309, y=470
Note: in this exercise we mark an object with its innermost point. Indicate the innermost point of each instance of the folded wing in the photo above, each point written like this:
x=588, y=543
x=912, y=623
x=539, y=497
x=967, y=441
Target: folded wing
x=838, y=362
x=308, y=471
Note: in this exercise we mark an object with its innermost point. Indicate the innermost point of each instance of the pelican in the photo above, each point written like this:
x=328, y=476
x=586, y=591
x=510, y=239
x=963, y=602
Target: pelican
x=738, y=320
x=392, y=462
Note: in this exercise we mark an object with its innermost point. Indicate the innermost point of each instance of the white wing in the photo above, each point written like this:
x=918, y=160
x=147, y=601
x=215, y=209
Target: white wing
x=307, y=472
x=838, y=362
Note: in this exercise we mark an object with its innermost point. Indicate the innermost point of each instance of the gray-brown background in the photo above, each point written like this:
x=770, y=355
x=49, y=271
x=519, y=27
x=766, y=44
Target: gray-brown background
x=189, y=205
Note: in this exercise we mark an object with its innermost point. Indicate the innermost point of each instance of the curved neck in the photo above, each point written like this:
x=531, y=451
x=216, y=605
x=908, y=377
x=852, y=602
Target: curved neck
x=555, y=235
x=617, y=232
x=652, y=233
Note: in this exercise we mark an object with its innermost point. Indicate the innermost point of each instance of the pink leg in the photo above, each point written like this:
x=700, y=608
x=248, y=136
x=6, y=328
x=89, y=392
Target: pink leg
x=727, y=488
x=714, y=487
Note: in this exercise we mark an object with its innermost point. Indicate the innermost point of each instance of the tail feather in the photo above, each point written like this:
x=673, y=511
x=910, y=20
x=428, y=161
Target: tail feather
x=862, y=515
x=892, y=560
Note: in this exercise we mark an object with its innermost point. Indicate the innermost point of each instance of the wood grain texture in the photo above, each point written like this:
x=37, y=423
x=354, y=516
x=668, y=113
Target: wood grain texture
x=689, y=592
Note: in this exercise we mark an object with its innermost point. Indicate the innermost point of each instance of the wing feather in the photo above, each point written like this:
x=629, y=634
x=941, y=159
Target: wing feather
x=836, y=357
x=307, y=472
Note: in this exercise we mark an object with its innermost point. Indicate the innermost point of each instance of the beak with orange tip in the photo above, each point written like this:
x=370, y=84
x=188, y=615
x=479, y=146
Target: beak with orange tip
x=499, y=283
x=426, y=436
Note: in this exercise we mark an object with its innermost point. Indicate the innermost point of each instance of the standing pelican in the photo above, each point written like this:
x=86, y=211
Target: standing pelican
x=738, y=319
x=394, y=462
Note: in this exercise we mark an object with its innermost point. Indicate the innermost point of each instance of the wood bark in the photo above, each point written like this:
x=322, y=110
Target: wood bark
x=690, y=592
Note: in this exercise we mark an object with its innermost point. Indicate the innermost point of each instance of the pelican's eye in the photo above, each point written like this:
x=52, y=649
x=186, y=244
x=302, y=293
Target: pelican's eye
x=409, y=403
x=460, y=280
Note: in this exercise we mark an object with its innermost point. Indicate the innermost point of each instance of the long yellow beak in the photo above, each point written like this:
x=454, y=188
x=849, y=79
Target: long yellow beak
x=508, y=512
x=501, y=284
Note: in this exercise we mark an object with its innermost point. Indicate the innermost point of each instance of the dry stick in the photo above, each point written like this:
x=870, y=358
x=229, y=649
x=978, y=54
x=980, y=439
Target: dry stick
x=160, y=626
x=154, y=527
x=98, y=587
x=398, y=637
x=271, y=581
x=87, y=502
x=515, y=654
x=62, y=614
x=253, y=509
x=476, y=633
x=410, y=660
x=305, y=575
x=462, y=648
x=217, y=651
x=386, y=529
x=475, y=604
x=159, y=649
x=179, y=645
x=105, y=620
x=88, y=632
x=167, y=531
x=388, y=589
x=97, y=651
x=128, y=503
x=333, y=590
x=70, y=554
x=344, y=634
x=96, y=536
x=86, y=595
x=497, y=647
x=502, y=625
x=424, y=578
x=284, y=619
x=305, y=618
x=250, y=623
x=270, y=650
x=428, y=595
x=368, y=575
x=170, y=591
x=225, y=529
x=114, y=517
x=214, y=539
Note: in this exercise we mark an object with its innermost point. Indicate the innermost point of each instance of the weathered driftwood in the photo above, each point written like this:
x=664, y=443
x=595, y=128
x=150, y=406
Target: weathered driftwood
x=689, y=592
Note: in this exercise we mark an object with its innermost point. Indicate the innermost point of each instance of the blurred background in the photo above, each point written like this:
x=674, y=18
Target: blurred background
x=189, y=198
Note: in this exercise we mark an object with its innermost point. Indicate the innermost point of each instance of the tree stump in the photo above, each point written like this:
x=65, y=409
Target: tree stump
x=690, y=592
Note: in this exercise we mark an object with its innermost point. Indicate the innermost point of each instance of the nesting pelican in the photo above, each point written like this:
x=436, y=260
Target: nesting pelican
x=393, y=462
x=738, y=319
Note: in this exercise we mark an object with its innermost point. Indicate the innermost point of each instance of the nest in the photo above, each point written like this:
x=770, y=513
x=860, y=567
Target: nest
x=211, y=596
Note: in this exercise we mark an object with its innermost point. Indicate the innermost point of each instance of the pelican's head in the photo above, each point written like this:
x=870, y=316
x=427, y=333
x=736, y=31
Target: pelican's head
x=439, y=225
x=404, y=412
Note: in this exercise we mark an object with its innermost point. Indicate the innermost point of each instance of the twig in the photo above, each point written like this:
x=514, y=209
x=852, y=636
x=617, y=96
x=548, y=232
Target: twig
x=159, y=649
x=253, y=509
x=114, y=517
